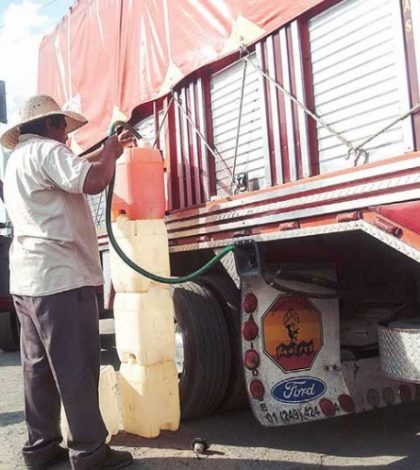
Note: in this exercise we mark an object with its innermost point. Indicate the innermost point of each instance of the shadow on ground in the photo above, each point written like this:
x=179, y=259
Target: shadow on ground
x=12, y=417
x=9, y=359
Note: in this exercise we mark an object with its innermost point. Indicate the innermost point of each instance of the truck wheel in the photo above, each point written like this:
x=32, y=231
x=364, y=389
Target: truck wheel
x=229, y=298
x=9, y=331
x=204, y=363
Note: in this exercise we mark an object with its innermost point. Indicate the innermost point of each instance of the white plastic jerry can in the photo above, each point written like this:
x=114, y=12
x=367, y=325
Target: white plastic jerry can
x=144, y=326
x=149, y=398
x=145, y=242
x=108, y=403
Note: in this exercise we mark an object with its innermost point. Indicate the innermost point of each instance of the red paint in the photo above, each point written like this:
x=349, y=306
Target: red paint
x=346, y=403
x=327, y=407
x=250, y=303
x=282, y=111
x=349, y=216
x=295, y=109
x=289, y=226
x=250, y=330
x=251, y=359
x=256, y=389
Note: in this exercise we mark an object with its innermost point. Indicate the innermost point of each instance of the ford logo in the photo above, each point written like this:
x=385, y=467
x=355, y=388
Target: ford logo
x=299, y=389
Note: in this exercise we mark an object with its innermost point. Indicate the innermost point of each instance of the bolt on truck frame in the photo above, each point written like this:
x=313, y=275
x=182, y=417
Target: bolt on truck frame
x=293, y=130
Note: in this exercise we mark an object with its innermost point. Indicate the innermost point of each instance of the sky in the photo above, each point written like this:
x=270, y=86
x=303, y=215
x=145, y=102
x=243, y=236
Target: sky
x=23, y=23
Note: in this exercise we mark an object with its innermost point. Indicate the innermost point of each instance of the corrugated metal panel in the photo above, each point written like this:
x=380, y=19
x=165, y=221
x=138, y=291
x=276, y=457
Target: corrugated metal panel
x=357, y=62
x=225, y=90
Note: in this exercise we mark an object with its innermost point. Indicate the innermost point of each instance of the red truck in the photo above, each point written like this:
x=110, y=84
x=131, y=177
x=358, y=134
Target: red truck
x=291, y=129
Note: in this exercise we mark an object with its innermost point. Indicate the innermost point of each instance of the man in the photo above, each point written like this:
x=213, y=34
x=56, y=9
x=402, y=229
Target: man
x=54, y=269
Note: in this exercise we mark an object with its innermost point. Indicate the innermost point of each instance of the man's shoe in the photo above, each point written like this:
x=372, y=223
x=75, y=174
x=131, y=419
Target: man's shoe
x=114, y=459
x=62, y=455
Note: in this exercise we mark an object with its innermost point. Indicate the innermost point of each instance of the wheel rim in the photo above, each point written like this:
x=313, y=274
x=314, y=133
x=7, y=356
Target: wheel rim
x=179, y=350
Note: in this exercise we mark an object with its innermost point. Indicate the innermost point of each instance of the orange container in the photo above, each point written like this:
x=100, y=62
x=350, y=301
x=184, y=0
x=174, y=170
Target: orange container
x=139, y=185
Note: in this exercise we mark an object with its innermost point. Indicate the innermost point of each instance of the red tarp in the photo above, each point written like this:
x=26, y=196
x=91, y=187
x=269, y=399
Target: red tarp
x=109, y=55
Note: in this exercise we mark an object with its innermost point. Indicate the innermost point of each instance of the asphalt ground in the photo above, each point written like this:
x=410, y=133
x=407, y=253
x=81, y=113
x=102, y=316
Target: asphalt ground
x=384, y=439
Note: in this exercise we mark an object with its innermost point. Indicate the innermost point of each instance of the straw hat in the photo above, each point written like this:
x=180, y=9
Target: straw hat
x=37, y=107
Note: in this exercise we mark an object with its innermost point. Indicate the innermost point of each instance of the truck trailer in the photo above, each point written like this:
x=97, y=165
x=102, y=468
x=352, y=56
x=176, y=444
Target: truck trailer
x=292, y=131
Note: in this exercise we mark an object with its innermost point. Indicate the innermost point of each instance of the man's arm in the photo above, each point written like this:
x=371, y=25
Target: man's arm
x=95, y=155
x=103, y=162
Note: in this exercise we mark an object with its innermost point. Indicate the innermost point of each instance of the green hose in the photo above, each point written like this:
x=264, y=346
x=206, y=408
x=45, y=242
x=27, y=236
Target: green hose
x=126, y=259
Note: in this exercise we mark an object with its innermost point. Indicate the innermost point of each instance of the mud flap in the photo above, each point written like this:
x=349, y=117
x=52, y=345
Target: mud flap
x=293, y=367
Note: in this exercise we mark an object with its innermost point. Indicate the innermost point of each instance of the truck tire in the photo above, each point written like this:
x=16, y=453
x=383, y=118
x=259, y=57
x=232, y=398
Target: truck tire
x=229, y=298
x=206, y=352
x=9, y=331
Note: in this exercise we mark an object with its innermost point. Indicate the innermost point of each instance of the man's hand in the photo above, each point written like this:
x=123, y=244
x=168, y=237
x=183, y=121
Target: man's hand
x=103, y=161
x=112, y=147
x=127, y=139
